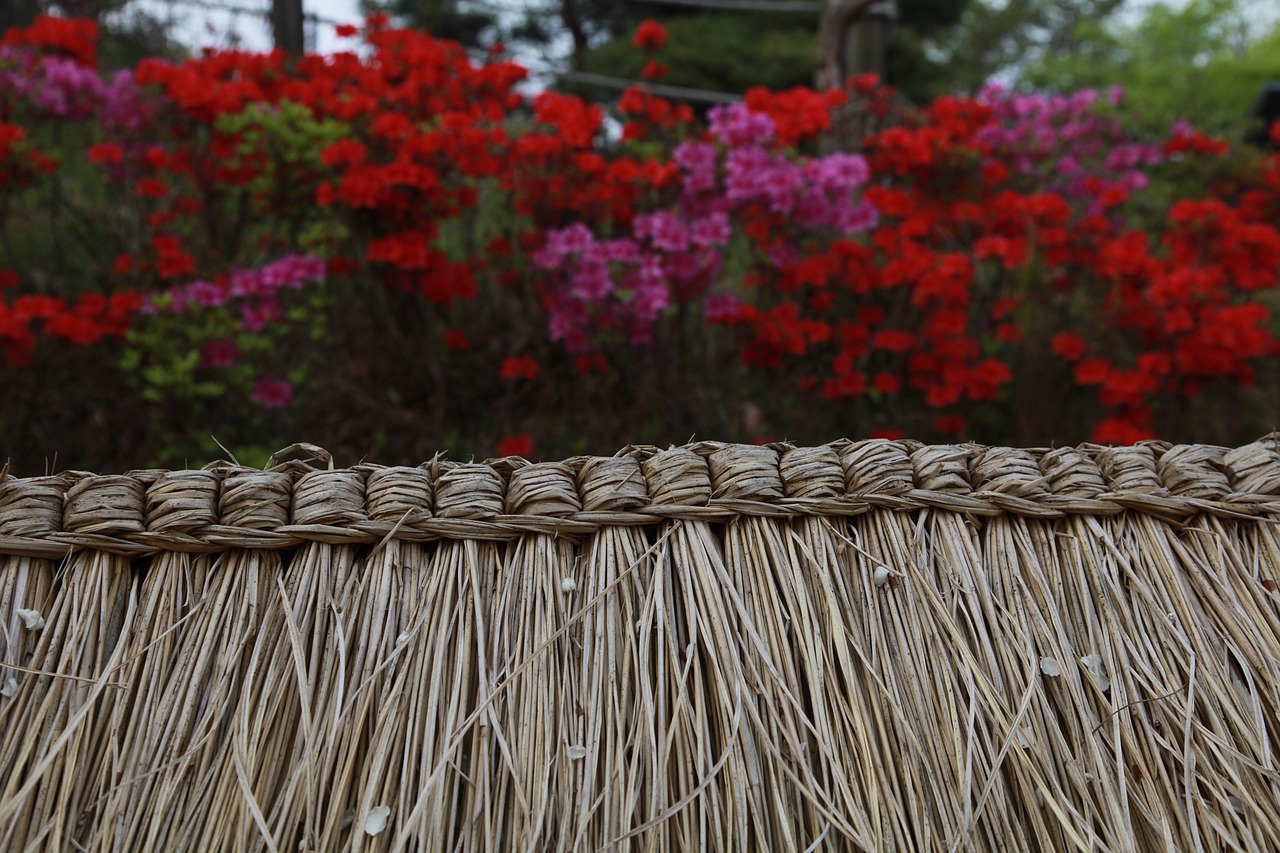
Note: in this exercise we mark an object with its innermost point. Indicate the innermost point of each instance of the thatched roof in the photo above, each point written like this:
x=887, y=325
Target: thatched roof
x=862, y=646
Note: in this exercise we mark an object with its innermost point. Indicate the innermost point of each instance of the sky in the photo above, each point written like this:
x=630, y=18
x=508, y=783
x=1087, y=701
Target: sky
x=199, y=25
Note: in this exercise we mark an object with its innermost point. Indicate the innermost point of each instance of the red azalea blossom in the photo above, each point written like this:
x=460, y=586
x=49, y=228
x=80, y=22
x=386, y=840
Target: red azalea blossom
x=519, y=367
x=650, y=35
x=951, y=424
x=106, y=153
x=654, y=70
x=455, y=341
x=1068, y=345
x=74, y=37
x=515, y=445
x=1120, y=430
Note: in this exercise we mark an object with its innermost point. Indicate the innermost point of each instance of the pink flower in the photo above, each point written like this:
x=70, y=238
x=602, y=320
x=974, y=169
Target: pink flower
x=712, y=230
x=735, y=125
x=272, y=393
x=206, y=294
x=720, y=307
x=221, y=352
x=664, y=229
x=255, y=318
x=591, y=281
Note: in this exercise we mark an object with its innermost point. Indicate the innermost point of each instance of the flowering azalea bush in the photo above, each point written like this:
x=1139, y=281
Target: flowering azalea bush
x=400, y=231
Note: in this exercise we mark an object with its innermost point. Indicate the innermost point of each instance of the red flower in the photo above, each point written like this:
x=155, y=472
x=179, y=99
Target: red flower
x=1093, y=372
x=221, y=352
x=1069, y=346
x=1118, y=430
x=346, y=31
x=8, y=278
x=155, y=157
x=35, y=306
x=106, y=153
x=272, y=393
x=591, y=363
x=9, y=134
x=887, y=383
x=1004, y=307
x=654, y=70
x=1196, y=142
x=515, y=445
x=1008, y=333
x=519, y=367
x=171, y=260
x=406, y=250
x=950, y=424
x=388, y=126
x=576, y=120
x=455, y=341
x=152, y=188
x=344, y=152
x=43, y=162
x=650, y=35
x=74, y=329
x=894, y=340
x=1113, y=196
x=73, y=36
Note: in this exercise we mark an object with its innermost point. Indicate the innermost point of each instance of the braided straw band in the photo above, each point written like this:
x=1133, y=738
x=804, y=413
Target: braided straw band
x=226, y=506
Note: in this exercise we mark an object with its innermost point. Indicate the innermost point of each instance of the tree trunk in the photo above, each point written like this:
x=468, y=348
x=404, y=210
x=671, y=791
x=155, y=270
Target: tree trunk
x=286, y=26
x=573, y=23
x=832, y=29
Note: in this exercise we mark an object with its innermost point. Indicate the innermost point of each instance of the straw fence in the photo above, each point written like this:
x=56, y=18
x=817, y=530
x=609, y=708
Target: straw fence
x=861, y=646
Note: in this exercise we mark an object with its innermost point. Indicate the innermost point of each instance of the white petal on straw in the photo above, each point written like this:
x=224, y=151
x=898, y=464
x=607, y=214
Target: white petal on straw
x=881, y=576
x=1093, y=664
x=376, y=820
x=1024, y=740
x=1050, y=667
x=568, y=585
x=576, y=752
x=10, y=687
x=402, y=639
x=32, y=619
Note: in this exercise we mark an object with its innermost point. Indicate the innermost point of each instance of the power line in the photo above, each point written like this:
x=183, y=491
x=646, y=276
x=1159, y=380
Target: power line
x=680, y=93
x=254, y=11
x=780, y=6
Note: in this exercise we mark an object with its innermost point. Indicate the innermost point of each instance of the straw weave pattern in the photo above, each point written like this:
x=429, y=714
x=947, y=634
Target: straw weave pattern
x=863, y=646
x=224, y=506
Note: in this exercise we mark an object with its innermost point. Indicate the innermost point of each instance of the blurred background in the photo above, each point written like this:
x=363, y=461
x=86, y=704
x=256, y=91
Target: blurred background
x=1203, y=60
x=388, y=382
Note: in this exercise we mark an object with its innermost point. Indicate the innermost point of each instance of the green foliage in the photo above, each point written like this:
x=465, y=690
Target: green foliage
x=289, y=137
x=1200, y=62
x=165, y=362
x=994, y=36
x=778, y=50
x=749, y=50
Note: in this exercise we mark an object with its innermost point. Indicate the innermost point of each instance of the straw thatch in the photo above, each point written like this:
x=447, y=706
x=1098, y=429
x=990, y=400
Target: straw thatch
x=862, y=646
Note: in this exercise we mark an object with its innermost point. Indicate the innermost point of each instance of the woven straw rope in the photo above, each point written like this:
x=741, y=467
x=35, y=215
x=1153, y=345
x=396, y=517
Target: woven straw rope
x=226, y=506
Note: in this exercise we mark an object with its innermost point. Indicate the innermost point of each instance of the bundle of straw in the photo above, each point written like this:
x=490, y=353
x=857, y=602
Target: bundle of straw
x=874, y=645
